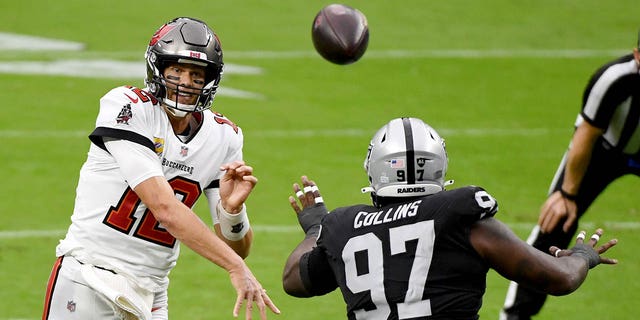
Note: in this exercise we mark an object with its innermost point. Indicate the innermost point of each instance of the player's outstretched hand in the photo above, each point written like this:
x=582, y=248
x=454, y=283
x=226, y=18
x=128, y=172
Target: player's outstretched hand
x=311, y=208
x=588, y=250
x=250, y=291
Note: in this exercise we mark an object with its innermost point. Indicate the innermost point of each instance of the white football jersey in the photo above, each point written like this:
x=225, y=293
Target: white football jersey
x=110, y=226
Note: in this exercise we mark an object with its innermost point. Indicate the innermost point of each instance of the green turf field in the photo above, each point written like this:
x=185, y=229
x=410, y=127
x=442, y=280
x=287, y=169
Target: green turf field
x=500, y=80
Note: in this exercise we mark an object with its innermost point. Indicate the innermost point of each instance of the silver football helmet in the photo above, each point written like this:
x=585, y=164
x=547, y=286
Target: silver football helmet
x=406, y=158
x=184, y=40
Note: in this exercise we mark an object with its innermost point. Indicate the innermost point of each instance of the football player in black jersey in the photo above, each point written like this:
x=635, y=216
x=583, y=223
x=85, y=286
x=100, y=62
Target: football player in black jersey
x=420, y=251
x=605, y=146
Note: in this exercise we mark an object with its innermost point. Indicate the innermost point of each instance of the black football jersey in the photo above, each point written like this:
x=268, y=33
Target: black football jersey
x=410, y=260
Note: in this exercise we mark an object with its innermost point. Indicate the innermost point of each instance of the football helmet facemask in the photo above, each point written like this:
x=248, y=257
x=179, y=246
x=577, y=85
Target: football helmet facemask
x=184, y=40
x=406, y=158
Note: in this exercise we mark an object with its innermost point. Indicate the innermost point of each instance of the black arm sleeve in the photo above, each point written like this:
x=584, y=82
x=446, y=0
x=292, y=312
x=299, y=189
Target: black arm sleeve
x=316, y=273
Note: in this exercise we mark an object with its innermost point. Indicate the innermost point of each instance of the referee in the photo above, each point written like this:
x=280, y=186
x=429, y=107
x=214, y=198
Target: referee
x=605, y=146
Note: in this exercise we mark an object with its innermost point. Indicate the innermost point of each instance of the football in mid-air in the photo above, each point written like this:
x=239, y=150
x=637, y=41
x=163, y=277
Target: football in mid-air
x=340, y=33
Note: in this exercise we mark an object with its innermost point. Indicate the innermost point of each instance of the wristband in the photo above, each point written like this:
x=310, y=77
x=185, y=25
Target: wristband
x=233, y=226
x=568, y=195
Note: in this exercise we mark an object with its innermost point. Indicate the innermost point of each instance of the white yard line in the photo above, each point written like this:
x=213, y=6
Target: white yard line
x=114, y=69
x=12, y=41
x=442, y=53
x=22, y=234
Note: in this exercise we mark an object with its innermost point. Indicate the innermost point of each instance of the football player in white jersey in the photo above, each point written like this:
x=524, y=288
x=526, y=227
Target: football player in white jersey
x=153, y=152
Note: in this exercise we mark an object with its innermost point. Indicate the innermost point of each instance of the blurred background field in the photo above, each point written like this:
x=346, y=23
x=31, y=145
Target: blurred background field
x=500, y=80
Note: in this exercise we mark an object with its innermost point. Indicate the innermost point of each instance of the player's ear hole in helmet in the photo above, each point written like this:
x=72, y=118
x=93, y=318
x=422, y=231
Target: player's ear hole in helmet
x=184, y=40
x=406, y=158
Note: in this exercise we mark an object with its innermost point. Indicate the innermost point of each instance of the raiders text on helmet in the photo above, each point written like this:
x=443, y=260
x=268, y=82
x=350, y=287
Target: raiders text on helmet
x=184, y=40
x=412, y=190
x=406, y=158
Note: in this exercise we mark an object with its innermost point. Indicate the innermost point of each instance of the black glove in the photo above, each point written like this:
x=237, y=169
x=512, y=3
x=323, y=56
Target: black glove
x=311, y=217
x=587, y=252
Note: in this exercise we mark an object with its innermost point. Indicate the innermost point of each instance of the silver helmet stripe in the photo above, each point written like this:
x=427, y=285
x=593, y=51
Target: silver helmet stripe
x=411, y=161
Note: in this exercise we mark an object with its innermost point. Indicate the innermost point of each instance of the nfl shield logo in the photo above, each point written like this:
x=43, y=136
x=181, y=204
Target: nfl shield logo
x=184, y=151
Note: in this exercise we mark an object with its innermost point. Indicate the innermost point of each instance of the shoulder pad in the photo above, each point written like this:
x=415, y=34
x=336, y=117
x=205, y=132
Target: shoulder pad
x=472, y=202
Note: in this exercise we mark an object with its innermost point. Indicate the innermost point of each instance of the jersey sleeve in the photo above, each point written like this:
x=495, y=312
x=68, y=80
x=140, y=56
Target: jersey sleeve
x=487, y=205
x=125, y=113
x=316, y=273
x=136, y=162
x=235, y=134
x=601, y=101
x=213, y=196
x=225, y=129
x=607, y=89
x=469, y=204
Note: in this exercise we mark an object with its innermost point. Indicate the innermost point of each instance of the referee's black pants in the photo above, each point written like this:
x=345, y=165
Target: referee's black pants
x=605, y=167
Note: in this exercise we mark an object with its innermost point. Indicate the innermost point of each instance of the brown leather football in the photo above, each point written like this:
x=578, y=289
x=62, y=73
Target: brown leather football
x=340, y=33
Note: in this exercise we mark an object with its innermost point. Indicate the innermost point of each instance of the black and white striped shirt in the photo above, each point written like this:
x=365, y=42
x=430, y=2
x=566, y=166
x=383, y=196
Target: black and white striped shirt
x=611, y=101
